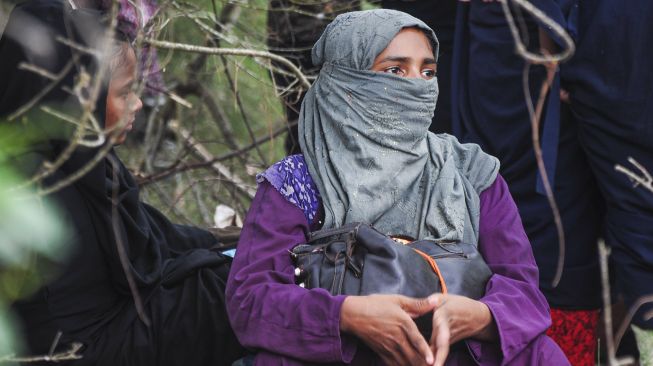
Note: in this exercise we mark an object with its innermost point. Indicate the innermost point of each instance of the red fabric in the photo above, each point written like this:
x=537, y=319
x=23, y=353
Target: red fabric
x=575, y=332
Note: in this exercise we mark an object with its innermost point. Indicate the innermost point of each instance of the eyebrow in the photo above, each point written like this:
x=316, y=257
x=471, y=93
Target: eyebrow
x=404, y=59
x=127, y=85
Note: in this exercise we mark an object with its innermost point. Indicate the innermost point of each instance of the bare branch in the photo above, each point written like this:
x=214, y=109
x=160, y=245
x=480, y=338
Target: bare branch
x=536, y=115
x=241, y=109
x=629, y=317
x=604, y=252
x=204, y=211
x=88, y=105
x=69, y=355
x=46, y=74
x=550, y=62
x=234, y=52
x=521, y=49
x=79, y=47
x=72, y=178
x=101, y=138
x=204, y=153
x=642, y=178
x=177, y=168
x=215, y=109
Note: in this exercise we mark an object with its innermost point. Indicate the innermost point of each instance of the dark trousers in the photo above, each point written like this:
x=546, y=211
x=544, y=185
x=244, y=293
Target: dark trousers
x=609, y=118
x=610, y=80
x=489, y=108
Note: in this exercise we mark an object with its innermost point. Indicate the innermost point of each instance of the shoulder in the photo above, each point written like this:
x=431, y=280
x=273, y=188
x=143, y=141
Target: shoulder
x=291, y=178
x=479, y=167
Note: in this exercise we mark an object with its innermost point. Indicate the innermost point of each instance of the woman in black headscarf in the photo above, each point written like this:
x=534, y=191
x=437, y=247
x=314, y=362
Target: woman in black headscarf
x=162, y=301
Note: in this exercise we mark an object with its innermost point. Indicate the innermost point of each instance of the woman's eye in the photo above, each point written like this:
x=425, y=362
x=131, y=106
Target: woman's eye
x=428, y=73
x=394, y=70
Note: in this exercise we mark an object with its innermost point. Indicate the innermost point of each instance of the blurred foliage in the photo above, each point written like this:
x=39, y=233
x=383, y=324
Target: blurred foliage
x=31, y=239
x=645, y=344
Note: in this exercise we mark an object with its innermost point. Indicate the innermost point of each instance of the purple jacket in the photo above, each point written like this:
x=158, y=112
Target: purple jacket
x=289, y=325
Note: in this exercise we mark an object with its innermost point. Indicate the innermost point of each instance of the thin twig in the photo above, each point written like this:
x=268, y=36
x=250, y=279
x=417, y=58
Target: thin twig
x=79, y=47
x=241, y=109
x=193, y=183
x=550, y=63
x=100, y=139
x=612, y=360
x=643, y=178
x=165, y=198
x=535, y=115
x=568, y=49
x=643, y=300
x=604, y=252
x=234, y=52
x=199, y=199
x=72, y=178
x=69, y=355
x=196, y=87
x=221, y=169
x=88, y=105
x=55, y=343
x=176, y=168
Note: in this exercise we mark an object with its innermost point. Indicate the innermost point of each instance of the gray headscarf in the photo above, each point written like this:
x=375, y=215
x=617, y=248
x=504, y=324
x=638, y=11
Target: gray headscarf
x=365, y=138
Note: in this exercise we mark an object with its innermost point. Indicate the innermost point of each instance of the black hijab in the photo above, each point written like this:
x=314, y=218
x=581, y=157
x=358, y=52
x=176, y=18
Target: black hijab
x=177, y=274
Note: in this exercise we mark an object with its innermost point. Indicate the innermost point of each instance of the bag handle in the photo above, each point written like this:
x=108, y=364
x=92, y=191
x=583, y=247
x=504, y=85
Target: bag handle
x=316, y=235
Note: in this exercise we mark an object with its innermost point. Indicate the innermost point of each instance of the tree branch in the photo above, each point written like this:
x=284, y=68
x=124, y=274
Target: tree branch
x=643, y=178
x=203, y=153
x=175, y=169
x=234, y=52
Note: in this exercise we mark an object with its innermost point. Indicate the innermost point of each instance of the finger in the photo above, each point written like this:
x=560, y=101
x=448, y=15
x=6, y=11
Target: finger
x=417, y=343
x=440, y=338
x=442, y=345
x=407, y=355
x=387, y=360
x=418, y=307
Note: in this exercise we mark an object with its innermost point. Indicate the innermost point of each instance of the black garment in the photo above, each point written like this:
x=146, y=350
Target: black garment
x=610, y=82
x=490, y=109
x=178, y=275
x=609, y=118
x=440, y=15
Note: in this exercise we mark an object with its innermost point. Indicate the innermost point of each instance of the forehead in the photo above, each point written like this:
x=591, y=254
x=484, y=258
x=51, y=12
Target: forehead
x=123, y=62
x=409, y=42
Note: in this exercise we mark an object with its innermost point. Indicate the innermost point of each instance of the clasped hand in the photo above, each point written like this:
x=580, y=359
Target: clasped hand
x=385, y=323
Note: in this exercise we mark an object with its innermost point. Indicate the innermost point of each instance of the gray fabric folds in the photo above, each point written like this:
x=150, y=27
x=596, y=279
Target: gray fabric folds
x=365, y=138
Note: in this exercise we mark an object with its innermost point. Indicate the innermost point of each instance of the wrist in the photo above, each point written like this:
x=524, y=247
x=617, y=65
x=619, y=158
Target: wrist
x=345, y=314
x=487, y=327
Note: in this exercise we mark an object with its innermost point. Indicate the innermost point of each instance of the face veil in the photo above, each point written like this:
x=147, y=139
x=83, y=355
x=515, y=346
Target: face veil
x=365, y=138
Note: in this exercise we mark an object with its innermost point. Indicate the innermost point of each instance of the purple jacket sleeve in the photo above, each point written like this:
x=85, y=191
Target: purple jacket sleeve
x=267, y=311
x=512, y=294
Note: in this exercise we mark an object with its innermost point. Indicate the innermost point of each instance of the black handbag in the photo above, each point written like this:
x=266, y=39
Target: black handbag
x=356, y=259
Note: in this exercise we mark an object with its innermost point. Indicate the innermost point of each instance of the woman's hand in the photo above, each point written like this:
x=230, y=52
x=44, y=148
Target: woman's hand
x=458, y=317
x=385, y=323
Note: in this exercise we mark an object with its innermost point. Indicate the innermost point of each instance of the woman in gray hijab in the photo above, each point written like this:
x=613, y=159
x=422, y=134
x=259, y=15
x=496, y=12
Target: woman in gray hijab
x=368, y=157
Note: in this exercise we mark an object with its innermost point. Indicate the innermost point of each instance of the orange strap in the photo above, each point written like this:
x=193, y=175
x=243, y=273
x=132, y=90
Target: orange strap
x=435, y=268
